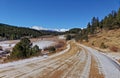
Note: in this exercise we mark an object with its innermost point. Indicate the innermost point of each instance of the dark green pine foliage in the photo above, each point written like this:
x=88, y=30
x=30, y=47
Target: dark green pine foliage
x=9, y=32
x=118, y=17
x=95, y=25
x=89, y=28
x=24, y=49
x=111, y=21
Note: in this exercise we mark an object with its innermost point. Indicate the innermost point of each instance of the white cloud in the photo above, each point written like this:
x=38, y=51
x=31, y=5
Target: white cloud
x=38, y=28
x=63, y=30
x=42, y=28
x=60, y=30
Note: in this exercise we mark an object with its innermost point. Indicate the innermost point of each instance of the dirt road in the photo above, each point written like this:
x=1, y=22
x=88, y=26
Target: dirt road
x=77, y=61
x=107, y=66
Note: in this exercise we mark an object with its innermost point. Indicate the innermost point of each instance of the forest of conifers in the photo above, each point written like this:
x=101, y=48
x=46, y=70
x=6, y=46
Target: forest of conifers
x=9, y=32
x=109, y=22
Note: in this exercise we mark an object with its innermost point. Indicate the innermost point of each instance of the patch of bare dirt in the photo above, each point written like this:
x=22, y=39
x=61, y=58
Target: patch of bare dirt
x=119, y=61
x=94, y=71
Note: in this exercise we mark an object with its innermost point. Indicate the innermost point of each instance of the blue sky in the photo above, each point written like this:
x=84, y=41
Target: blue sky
x=54, y=13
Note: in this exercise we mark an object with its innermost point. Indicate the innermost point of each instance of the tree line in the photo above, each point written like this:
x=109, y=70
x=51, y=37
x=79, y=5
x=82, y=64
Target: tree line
x=109, y=22
x=9, y=32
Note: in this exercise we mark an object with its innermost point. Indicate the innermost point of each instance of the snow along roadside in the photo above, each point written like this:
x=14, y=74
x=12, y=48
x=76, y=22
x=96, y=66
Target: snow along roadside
x=113, y=57
x=108, y=67
x=33, y=59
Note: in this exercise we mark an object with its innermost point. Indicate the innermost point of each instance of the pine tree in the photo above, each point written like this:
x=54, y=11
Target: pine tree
x=89, y=28
x=22, y=49
x=118, y=16
x=94, y=24
x=101, y=24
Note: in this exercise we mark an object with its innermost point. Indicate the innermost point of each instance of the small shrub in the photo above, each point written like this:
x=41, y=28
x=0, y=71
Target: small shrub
x=58, y=46
x=50, y=49
x=92, y=43
x=68, y=37
x=7, y=50
x=103, y=46
x=1, y=48
x=61, y=44
x=45, y=49
x=35, y=51
x=35, y=48
x=114, y=49
x=24, y=49
x=86, y=38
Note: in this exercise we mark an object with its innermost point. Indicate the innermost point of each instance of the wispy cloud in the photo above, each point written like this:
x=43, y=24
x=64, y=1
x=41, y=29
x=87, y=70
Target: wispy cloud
x=38, y=28
x=42, y=28
x=63, y=30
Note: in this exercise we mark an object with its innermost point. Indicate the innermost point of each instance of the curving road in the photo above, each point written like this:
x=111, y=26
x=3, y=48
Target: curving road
x=109, y=67
x=77, y=61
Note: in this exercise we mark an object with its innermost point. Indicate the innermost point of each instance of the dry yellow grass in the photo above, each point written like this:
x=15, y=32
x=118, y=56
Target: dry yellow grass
x=110, y=38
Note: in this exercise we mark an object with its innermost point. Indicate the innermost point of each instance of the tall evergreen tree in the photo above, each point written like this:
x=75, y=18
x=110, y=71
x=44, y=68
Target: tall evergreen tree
x=95, y=24
x=118, y=16
x=89, y=28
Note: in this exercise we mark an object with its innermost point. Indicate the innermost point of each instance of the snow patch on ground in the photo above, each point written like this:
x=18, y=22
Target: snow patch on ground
x=20, y=62
x=42, y=44
x=32, y=59
x=62, y=37
x=115, y=56
x=6, y=45
x=109, y=67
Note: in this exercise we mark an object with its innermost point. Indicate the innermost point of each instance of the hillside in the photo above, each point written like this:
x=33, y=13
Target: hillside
x=104, y=33
x=106, y=40
x=9, y=32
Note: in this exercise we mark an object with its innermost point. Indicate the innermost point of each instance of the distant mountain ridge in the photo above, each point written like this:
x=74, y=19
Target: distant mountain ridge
x=49, y=29
x=10, y=32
